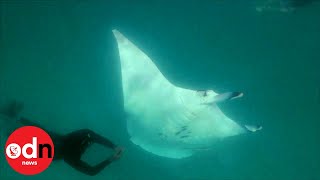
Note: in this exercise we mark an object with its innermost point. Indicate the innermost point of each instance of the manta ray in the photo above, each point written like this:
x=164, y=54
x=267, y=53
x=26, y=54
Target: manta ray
x=165, y=119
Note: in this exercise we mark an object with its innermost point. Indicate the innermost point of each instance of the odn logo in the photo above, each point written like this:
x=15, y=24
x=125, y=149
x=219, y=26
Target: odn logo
x=29, y=150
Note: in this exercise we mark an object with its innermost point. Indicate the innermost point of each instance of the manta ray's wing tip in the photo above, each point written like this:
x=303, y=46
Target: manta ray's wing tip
x=115, y=31
x=120, y=37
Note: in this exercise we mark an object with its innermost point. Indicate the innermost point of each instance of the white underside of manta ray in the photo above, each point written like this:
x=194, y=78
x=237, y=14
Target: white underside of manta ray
x=167, y=120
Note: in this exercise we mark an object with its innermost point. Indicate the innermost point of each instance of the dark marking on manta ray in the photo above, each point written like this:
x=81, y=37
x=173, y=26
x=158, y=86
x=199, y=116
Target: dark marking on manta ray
x=183, y=128
x=185, y=136
x=162, y=136
x=179, y=132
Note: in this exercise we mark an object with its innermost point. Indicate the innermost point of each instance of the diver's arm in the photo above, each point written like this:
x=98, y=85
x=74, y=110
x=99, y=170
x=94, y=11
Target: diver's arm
x=87, y=169
x=102, y=140
x=94, y=137
x=27, y=122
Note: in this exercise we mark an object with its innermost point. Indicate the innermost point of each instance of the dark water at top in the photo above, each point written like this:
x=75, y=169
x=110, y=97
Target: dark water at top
x=61, y=60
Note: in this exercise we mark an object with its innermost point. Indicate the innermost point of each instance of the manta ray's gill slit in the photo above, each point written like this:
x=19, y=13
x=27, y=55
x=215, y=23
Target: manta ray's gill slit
x=177, y=133
x=183, y=128
x=183, y=132
x=184, y=136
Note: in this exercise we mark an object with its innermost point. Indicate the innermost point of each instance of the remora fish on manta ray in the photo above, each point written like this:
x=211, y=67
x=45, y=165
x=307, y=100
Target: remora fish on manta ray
x=167, y=120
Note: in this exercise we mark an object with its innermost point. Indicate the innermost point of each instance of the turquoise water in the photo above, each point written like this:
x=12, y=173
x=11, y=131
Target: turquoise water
x=60, y=59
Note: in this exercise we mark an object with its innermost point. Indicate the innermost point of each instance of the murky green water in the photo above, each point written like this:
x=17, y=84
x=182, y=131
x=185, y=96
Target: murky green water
x=60, y=59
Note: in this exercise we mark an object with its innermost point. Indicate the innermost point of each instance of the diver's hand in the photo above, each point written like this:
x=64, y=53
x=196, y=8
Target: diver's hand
x=117, y=154
x=12, y=109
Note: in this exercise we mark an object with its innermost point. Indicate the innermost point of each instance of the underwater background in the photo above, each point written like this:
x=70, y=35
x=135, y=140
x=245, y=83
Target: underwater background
x=60, y=59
